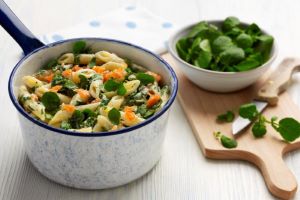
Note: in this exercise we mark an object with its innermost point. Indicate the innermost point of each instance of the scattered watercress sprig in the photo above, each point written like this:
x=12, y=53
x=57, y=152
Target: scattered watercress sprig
x=288, y=127
x=226, y=117
x=227, y=142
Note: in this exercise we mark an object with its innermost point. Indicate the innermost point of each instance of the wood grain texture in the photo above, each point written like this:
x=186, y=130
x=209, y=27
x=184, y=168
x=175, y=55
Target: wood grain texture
x=183, y=172
x=201, y=108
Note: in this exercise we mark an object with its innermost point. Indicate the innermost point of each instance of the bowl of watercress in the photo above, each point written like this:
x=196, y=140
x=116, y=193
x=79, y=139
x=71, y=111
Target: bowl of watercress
x=223, y=55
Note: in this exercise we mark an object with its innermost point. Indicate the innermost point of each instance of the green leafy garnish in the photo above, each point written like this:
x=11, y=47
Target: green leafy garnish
x=114, y=116
x=226, y=117
x=288, y=128
x=231, y=48
x=248, y=111
x=121, y=90
x=76, y=119
x=79, y=47
x=111, y=85
x=229, y=23
x=145, y=78
x=92, y=63
x=51, y=101
x=259, y=128
x=84, y=82
x=50, y=64
x=227, y=142
x=65, y=125
x=145, y=112
x=68, y=86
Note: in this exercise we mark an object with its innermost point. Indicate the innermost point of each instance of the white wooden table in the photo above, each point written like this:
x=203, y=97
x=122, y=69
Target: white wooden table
x=183, y=172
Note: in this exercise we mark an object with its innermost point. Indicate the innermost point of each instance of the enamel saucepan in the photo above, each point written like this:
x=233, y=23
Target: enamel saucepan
x=87, y=160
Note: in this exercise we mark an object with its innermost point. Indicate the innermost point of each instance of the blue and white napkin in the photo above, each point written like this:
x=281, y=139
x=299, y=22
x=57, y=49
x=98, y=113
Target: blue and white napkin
x=131, y=24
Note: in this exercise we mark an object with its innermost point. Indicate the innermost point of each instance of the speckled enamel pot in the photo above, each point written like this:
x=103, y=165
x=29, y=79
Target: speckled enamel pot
x=98, y=160
x=87, y=160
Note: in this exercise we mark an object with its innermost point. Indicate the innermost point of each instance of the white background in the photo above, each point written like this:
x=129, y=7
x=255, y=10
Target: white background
x=183, y=172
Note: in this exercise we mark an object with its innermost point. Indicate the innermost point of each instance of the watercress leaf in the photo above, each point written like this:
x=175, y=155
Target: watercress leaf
x=197, y=29
x=84, y=82
x=58, y=79
x=234, y=32
x=51, y=101
x=65, y=125
x=228, y=142
x=145, y=78
x=79, y=47
x=203, y=59
x=196, y=44
x=76, y=119
x=182, y=48
x=111, y=85
x=253, y=30
x=114, y=116
x=232, y=55
x=248, y=111
x=248, y=64
x=259, y=129
x=244, y=41
x=289, y=129
x=211, y=34
x=264, y=46
x=88, y=113
x=205, y=45
x=226, y=117
x=50, y=64
x=121, y=90
x=90, y=122
x=221, y=43
x=92, y=63
x=229, y=23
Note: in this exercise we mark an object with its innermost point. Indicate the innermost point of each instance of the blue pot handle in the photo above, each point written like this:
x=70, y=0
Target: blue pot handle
x=21, y=34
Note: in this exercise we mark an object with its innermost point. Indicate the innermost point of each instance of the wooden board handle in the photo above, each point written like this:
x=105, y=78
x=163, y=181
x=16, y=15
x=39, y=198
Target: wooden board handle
x=278, y=81
x=279, y=179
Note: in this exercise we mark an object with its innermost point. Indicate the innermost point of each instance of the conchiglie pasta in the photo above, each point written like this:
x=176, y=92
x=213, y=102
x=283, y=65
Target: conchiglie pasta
x=132, y=121
x=88, y=73
x=95, y=88
x=60, y=116
x=32, y=82
x=67, y=58
x=63, y=98
x=114, y=65
x=77, y=99
x=85, y=59
x=131, y=86
x=42, y=89
x=103, y=124
x=116, y=102
x=104, y=56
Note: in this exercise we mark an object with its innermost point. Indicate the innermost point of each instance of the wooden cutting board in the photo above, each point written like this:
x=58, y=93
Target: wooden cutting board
x=201, y=108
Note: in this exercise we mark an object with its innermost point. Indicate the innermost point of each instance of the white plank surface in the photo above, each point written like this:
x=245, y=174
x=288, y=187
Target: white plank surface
x=183, y=172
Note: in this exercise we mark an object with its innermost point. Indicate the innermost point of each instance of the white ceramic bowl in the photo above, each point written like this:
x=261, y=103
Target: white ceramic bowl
x=93, y=160
x=213, y=80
